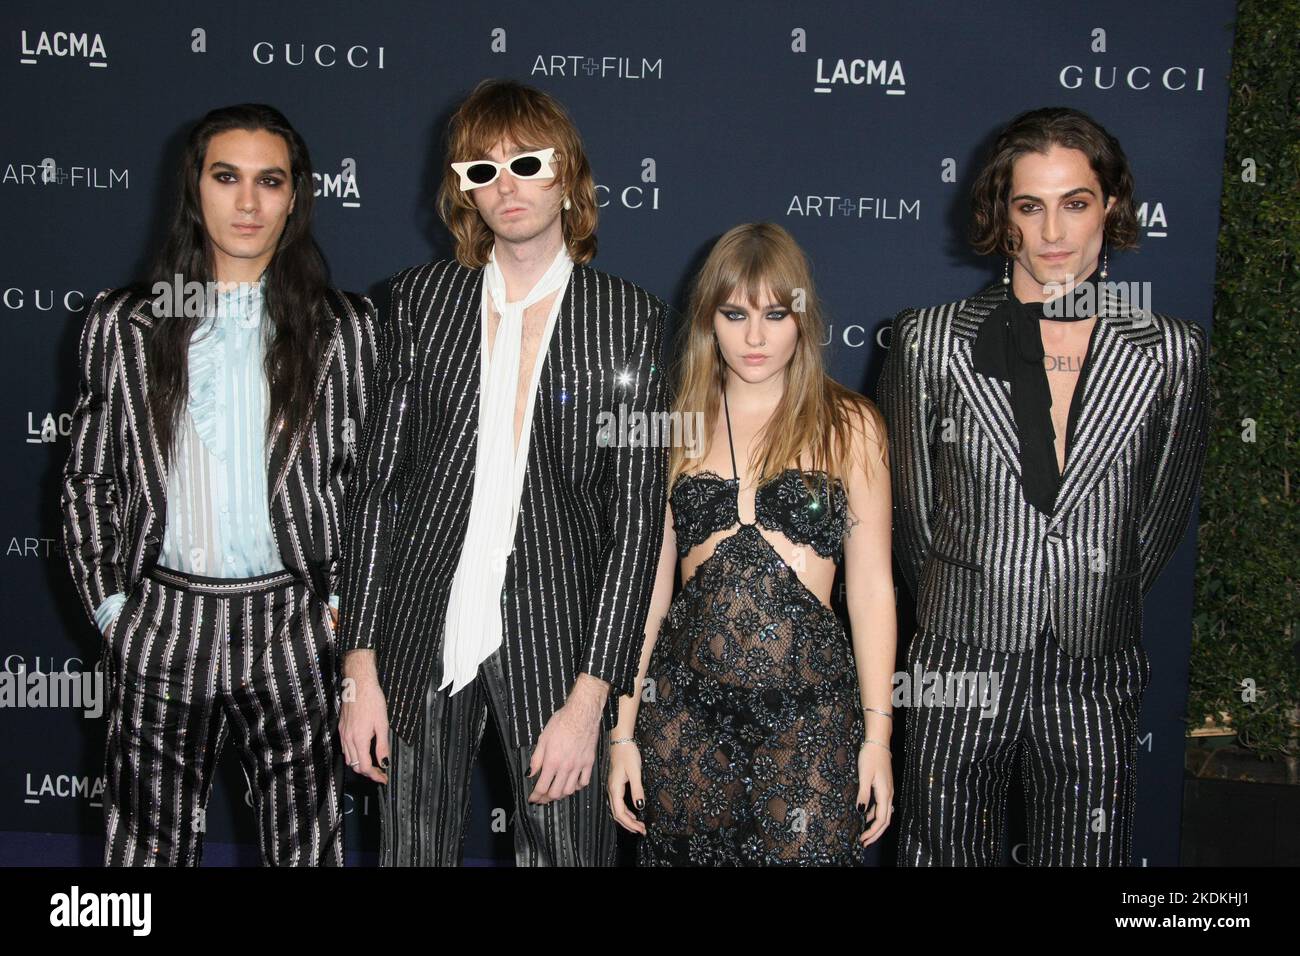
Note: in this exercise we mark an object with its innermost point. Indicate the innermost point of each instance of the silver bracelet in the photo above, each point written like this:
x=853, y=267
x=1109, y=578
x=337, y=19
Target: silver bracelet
x=877, y=743
x=880, y=712
x=622, y=740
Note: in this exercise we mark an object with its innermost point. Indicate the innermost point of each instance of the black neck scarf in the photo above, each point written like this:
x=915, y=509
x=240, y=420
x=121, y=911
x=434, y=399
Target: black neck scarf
x=1009, y=346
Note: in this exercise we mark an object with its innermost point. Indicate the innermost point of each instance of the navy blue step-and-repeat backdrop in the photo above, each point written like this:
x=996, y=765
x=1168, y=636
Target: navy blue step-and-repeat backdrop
x=857, y=126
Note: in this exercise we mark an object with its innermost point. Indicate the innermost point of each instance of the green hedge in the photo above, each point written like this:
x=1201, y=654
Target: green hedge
x=1245, y=622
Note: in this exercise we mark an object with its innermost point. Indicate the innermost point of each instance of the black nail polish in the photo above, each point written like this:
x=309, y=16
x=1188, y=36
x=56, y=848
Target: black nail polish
x=640, y=804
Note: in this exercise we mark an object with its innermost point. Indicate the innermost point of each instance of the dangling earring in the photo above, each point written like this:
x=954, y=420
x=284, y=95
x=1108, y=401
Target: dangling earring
x=1006, y=273
x=567, y=204
x=1105, y=262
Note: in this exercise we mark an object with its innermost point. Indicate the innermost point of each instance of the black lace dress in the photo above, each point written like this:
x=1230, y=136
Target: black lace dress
x=749, y=743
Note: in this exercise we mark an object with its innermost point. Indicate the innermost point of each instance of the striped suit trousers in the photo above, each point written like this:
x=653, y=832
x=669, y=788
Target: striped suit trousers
x=191, y=659
x=1070, y=722
x=425, y=804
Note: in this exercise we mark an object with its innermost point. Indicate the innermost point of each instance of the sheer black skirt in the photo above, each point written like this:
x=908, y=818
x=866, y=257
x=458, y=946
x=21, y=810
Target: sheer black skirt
x=749, y=740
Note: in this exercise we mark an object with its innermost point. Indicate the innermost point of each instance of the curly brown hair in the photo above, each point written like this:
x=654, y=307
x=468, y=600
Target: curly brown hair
x=1036, y=132
x=499, y=110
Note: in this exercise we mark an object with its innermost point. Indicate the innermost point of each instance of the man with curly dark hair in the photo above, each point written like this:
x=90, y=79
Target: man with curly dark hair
x=1047, y=438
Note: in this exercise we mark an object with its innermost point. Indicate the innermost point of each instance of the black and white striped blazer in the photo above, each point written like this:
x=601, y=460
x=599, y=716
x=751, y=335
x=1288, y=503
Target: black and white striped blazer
x=579, y=578
x=984, y=565
x=115, y=480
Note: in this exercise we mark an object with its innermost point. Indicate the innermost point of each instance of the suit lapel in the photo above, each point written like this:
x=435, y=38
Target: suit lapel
x=989, y=398
x=566, y=330
x=285, y=442
x=135, y=371
x=1122, y=380
x=464, y=335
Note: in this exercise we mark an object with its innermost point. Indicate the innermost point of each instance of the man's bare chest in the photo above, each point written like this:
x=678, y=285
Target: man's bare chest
x=530, y=343
x=1063, y=359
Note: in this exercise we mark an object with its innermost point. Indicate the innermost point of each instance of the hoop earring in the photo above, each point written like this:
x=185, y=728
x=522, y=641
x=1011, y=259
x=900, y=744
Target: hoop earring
x=1105, y=261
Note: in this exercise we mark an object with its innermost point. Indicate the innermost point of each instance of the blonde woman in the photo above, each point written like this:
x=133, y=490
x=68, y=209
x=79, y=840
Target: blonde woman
x=761, y=736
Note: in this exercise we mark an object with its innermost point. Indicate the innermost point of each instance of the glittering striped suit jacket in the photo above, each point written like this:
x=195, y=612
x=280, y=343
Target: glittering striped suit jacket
x=115, y=480
x=579, y=578
x=983, y=564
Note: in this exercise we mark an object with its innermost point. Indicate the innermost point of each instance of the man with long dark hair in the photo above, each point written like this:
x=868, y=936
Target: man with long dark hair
x=502, y=553
x=204, y=500
x=1047, y=437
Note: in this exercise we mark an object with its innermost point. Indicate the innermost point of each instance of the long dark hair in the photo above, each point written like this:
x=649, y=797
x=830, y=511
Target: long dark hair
x=1036, y=132
x=296, y=279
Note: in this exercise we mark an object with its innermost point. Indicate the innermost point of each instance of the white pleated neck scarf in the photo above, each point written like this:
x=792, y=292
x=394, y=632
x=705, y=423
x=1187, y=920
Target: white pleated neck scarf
x=473, y=625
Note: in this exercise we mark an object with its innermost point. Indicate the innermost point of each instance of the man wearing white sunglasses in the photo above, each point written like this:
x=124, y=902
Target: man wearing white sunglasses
x=501, y=555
